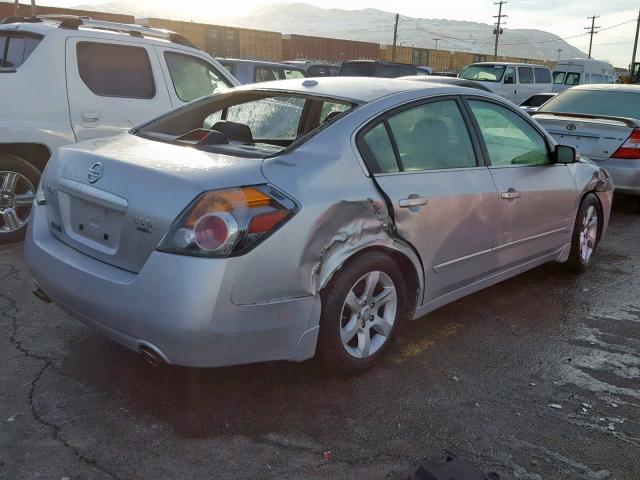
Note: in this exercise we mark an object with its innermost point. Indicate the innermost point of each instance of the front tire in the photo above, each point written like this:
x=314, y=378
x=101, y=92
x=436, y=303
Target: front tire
x=18, y=182
x=362, y=309
x=586, y=234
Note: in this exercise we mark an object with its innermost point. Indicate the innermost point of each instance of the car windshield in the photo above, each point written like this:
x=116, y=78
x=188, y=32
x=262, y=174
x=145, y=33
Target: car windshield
x=484, y=73
x=246, y=122
x=595, y=102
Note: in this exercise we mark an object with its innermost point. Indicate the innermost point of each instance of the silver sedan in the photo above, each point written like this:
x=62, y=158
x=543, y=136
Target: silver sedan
x=288, y=219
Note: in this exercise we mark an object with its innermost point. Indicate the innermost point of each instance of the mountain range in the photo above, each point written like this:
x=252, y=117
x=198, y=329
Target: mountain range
x=370, y=25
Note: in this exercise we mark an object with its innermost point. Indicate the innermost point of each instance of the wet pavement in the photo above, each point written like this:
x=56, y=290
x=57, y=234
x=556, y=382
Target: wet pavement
x=535, y=378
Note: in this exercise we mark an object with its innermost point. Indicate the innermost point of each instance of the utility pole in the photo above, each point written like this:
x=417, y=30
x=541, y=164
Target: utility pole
x=559, y=52
x=16, y=8
x=436, y=40
x=592, y=30
x=635, y=46
x=33, y=8
x=395, y=38
x=498, y=31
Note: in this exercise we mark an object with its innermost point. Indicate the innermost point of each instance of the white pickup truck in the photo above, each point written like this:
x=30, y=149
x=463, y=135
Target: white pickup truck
x=66, y=79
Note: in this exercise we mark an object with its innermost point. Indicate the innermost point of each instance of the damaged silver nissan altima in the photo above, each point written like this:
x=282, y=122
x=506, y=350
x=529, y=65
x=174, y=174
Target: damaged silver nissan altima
x=279, y=220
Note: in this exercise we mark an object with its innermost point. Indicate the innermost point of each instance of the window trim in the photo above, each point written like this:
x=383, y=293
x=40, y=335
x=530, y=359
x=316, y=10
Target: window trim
x=113, y=44
x=372, y=164
x=521, y=114
x=174, y=52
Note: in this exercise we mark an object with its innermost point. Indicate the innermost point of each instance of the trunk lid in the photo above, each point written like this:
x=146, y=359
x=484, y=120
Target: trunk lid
x=594, y=137
x=115, y=198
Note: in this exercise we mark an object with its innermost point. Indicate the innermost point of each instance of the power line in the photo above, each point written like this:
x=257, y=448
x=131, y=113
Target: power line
x=498, y=31
x=592, y=30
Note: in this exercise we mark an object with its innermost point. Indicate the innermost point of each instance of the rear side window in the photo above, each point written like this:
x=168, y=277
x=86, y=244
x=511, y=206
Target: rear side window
x=558, y=77
x=379, y=149
x=293, y=73
x=542, y=75
x=14, y=50
x=110, y=70
x=572, y=79
x=267, y=74
x=526, y=75
x=192, y=77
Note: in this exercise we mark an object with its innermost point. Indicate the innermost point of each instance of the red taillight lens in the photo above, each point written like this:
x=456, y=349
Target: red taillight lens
x=226, y=222
x=631, y=148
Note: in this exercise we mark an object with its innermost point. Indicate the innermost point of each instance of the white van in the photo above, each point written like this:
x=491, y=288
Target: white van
x=582, y=71
x=513, y=81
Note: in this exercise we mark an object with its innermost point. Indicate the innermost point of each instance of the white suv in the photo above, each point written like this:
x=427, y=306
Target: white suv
x=68, y=79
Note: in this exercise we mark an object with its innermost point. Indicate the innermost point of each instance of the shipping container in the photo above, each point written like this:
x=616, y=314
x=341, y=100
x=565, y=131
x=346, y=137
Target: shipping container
x=260, y=45
x=8, y=10
x=190, y=30
x=305, y=47
x=222, y=41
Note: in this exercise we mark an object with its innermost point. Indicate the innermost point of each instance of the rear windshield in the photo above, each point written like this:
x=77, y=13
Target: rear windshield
x=15, y=48
x=357, y=69
x=536, y=100
x=594, y=102
x=248, y=122
x=484, y=73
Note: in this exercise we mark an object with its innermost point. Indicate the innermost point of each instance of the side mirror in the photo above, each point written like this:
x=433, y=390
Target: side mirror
x=565, y=154
x=509, y=80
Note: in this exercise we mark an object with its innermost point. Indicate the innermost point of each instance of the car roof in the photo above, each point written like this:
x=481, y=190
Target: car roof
x=616, y=87
x=511, y=64
x=358, y=89
x=253, y=62
x=48, y=27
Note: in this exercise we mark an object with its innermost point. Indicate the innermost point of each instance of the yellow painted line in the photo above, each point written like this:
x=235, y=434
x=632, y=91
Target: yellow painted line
x=414, y=349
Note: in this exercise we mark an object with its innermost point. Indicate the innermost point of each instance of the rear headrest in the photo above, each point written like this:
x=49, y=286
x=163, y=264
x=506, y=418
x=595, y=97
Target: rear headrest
x=234, y=131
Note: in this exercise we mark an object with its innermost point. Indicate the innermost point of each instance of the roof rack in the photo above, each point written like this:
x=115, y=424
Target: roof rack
x=73, y=22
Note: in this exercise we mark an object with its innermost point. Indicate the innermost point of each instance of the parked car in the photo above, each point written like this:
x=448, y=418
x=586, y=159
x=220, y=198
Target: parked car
x=460, y=82
x=256, y=71
x=257, y=239
x=513, y=81
x=71, y=79
x=603, y=123
x=316, y=69
x=534, y=102
x=378, y=68
x=581, y=71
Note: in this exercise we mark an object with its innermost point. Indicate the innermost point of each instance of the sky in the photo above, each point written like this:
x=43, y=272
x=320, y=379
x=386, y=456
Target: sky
x=566, y=18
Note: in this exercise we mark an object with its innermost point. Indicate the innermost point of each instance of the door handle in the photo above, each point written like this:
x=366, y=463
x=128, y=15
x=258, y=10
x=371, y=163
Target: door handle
x=91, y=116
x=511, y=194
x=413, y=201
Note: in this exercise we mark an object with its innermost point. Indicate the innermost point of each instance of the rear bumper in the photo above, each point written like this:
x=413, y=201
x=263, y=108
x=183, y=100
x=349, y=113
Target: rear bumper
x=625, y=174
x=179, y=306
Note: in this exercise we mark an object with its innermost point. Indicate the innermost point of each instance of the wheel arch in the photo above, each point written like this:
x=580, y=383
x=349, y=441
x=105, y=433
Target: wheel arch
x=36, y=154
x=405, y=258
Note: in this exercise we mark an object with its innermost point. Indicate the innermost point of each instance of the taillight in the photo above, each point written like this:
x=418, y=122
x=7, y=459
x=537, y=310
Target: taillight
x=631, y=148
x=228, y=222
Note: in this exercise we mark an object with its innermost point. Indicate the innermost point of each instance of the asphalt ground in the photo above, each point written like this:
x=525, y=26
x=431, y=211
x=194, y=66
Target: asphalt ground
x=537, y=377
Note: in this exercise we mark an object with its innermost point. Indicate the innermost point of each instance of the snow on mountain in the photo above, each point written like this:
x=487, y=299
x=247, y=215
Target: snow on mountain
x=369, y=25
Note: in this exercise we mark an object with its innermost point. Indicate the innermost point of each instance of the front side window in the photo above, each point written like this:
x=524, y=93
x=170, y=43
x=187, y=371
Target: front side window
x=484, y=73
x=110, y=70
x=509, y=139
x=558, y=77
x=510, y=76
x=432, y=136
x=526, y=75
x=192, y=77
x=542, y=75
x=572, y=79
x=14, y=49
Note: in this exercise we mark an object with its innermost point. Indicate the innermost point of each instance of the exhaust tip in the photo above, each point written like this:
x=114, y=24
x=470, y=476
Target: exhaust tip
x=151, y=356
x=40, y=295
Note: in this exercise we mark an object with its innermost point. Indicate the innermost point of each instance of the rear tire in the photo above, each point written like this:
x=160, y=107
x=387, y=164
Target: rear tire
x=18, y=182
x=586, y=234
x=362, y=309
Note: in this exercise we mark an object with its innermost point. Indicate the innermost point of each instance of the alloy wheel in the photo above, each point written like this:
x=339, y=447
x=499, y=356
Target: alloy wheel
x=16, y=198
x=589, y=233
x=368, y=314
